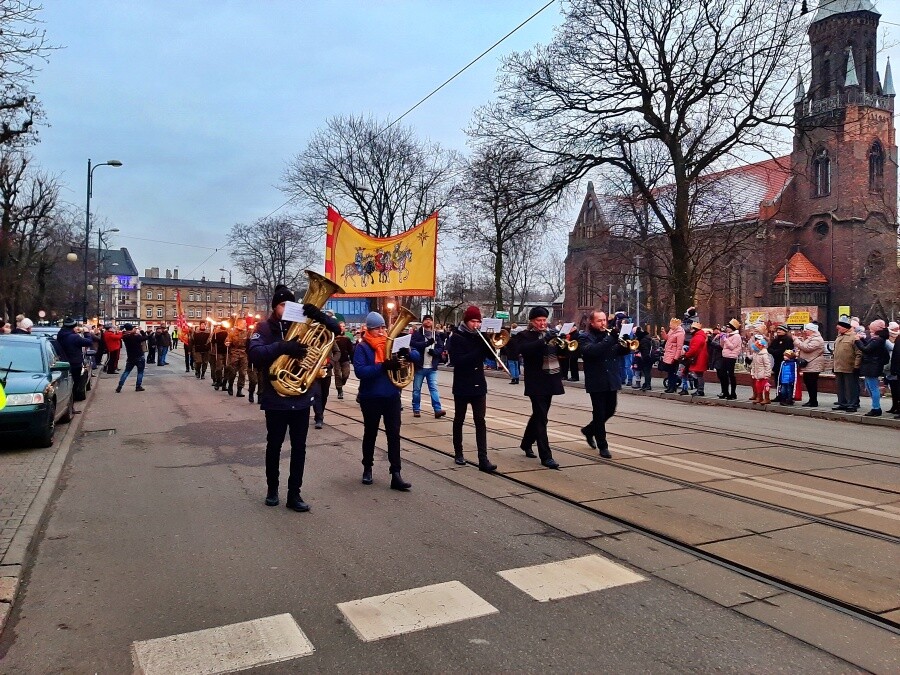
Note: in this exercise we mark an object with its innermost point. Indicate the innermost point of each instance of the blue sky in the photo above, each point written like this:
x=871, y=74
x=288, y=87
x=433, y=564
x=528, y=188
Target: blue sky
x=205, y=101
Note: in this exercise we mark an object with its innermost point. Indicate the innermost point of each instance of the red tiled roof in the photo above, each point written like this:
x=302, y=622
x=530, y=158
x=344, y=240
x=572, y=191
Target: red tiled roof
x=754, y=186
x=801, y=271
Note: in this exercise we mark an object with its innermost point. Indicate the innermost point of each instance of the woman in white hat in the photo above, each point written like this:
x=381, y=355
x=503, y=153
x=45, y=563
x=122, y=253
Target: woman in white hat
x=810, y=349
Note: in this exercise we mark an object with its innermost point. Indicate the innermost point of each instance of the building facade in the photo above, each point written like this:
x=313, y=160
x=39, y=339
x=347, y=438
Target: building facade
x=201, y=298
x=115, y=288
x=824, y=217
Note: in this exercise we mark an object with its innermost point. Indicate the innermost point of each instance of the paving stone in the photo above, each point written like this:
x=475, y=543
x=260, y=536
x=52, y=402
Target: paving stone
x=595, y=481
x=8, y=586
x=708, y=441
x=860, y=643
x=792, y=459
x=876, y=475
x=483, y=483
x=693, y=467
x=717, y=583
x=570, y=519
x=641, y=551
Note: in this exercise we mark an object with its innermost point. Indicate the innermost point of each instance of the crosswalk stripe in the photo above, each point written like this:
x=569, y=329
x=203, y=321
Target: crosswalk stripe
x=384, y=616
x=564, y=579
x=223, y=649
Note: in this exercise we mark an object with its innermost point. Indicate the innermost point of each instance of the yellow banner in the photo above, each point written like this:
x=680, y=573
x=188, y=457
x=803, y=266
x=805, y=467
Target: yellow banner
x=405, y=264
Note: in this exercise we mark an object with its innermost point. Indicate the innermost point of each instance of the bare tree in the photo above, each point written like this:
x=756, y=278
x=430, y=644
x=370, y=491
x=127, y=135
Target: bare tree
x=376, y=174
x=22, y=42
x=497, y=209
x=271, y=251
x=664, y=91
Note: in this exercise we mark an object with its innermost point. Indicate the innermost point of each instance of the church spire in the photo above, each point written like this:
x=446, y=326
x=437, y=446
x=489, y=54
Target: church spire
x=801, y=90
x=851, y=79
x=888, y=88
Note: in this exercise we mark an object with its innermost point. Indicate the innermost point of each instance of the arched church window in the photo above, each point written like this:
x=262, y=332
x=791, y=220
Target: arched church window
x=585, y=296
x=825, y=75
x=822, y=173
x=876, y=167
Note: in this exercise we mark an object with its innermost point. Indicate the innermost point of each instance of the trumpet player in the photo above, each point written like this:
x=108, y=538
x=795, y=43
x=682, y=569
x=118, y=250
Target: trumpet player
x=283, y=412
x=543, y=381
x=430, y=344
x=379, y=397
x=600, y=351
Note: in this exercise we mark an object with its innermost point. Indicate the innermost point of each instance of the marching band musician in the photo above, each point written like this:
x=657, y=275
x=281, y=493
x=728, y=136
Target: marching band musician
x=379, y=397
x=600, y=351
x=468, y=350
x=283, y=412
x=543, y=381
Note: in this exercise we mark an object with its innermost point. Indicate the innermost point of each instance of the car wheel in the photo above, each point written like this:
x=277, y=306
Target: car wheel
x=45, y=440
x=70, y=411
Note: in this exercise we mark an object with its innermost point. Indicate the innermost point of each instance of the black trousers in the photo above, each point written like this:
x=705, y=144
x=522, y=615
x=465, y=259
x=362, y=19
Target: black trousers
x=479, y=410
x=536, y=429
x=277, y=424
x=811, y=384
x=373, y=411
x=78, y=382
x=604, y=405
x=320, y=397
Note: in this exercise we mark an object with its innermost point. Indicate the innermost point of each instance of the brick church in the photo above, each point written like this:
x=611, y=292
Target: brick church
x=824, y=217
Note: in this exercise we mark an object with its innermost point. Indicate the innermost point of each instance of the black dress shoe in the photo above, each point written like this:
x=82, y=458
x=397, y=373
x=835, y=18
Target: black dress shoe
x=838, y=408
x=460, y=460
x=551, y=464
x=809, y=404
x=874, y=412
x=487, y=466
x=367, y=476
x=722, y=396
x=297, y=504
x=529, y=453
x=604, y=453
x=589, y=439
x=397, y=482
x=272, y=498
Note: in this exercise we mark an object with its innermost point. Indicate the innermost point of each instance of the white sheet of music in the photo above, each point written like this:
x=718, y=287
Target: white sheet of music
x=293, y=311
x=400, y=342
x=567, y=328
x=626, y=329
x=492, y=325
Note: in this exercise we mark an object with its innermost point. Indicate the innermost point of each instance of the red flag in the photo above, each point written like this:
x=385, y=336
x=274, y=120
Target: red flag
x=183, y=328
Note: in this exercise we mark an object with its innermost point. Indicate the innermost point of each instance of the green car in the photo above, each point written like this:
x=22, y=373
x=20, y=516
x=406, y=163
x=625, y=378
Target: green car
x=38, y=388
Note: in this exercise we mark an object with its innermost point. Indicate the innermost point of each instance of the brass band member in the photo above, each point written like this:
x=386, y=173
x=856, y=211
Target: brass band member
x=600, y=351
x=468, y=350
x=543, y=381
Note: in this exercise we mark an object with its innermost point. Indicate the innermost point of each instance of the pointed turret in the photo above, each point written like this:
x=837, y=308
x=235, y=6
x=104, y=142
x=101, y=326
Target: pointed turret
x=851, y=79
x=830, y=8
x=888, y=88
x=801, y=89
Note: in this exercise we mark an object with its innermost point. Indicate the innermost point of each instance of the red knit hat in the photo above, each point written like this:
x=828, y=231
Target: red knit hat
x=472, y=313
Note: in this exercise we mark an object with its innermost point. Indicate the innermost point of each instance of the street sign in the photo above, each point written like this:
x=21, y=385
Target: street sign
x=501, y=315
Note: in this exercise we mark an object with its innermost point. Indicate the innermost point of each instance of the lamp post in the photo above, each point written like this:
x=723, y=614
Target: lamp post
x=100, y=262
x=230, y=307
x=87, y=225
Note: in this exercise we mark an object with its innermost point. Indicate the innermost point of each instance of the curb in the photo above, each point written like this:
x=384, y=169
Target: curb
x=13, y=564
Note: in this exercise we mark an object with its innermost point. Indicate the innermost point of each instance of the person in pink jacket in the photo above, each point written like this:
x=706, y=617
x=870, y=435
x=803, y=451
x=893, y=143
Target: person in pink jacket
x=732, y=347
x=672, y=354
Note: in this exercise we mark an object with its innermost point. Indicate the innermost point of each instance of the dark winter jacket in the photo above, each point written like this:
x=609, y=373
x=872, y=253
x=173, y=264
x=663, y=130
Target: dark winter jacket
x=419, y=342
x=72, y=344
x=714, y=353
x=895, y=359
x=874, y=354
x=266, y=345
x=778, y=346
x=467, y=353
x=345, y=345
x=200, y=341
x=163, y=339
x=134, y=348
x=531, y=345
x=600, y=352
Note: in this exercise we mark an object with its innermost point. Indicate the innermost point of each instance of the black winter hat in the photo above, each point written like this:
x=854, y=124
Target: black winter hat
x=537, y=313
x=282, y=294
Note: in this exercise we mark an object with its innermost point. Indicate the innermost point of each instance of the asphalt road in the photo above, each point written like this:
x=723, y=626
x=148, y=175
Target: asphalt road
x=158, y=529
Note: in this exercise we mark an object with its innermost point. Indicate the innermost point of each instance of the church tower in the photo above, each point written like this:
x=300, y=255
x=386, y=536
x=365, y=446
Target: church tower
x=845, y=164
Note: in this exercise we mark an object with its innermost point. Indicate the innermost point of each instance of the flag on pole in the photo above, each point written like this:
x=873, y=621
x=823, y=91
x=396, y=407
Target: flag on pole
x=405, y=264
x=183, y=328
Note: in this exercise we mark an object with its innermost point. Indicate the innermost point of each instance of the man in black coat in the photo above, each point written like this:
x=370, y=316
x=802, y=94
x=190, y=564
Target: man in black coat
x=467, y=351
x=73, y=343
x=543, y=381
x=283, y=412
x=600, y=351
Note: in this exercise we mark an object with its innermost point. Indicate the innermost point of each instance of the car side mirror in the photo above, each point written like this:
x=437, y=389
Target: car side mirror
x=60, y=365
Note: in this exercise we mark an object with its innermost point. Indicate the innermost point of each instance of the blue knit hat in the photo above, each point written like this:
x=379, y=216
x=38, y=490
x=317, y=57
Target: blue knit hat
x=374, y=320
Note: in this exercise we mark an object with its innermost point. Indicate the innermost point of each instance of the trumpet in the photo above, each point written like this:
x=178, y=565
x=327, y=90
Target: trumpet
x=564, y=344
x=631, y=345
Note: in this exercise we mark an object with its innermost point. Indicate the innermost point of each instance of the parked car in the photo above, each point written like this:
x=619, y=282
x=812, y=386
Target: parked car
x=50, y=332
x=38, y=388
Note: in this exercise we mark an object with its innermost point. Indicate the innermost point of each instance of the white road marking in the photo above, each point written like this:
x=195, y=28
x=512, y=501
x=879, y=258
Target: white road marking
x=415, y=609
x=552, y=581
x=224, y=649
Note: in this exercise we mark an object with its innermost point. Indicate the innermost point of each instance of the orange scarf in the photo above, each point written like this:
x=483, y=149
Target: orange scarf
x=378, y=344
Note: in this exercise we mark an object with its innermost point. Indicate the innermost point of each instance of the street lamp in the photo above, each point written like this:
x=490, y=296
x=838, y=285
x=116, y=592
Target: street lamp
x=230, y=308
x=100, y=262
x=87, y=225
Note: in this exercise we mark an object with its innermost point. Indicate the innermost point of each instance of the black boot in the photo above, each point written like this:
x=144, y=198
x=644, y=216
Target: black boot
x=230, y=389
x=296, y=503
x=484, y=464
x=240, y=393
x=250, y=397
x=397, y=482
x=367, y=476
x=272, y=497
x=459, y=459
x=529, y=453
x=589, y=438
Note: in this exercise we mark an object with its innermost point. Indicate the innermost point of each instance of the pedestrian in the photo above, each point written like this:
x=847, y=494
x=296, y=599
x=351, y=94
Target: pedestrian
x=697, y=357
x=163, y=344
x=732, y=348
x=467, y=351
x=379, y=397
x=714, y=352
x=787, y=378
x=112, y=338
x=845, y=364
x=174, y=336
x=283, y=413
x=781, y=341
x=540, y=351
x=236, y=344
x=601, y=351
x=893, y=376
x=672, y=354
x=875, y=357
x=760, y=369
x=134, y=356
x=430, y=344
x=151, y=344
x=187, y=341
x=201, y=340
x=73, y=344
x=810, y=350
x=645, y=356
x=342, y=367
x=23, y=325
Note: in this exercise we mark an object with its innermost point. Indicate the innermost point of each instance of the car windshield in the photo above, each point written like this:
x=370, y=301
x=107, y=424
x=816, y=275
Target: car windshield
x=24, y=356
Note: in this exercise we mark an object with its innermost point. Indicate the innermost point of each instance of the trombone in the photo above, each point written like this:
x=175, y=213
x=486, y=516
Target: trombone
x=496, y=342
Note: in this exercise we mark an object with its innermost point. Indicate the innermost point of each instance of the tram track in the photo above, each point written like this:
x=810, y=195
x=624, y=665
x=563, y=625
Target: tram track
x=521, y=478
